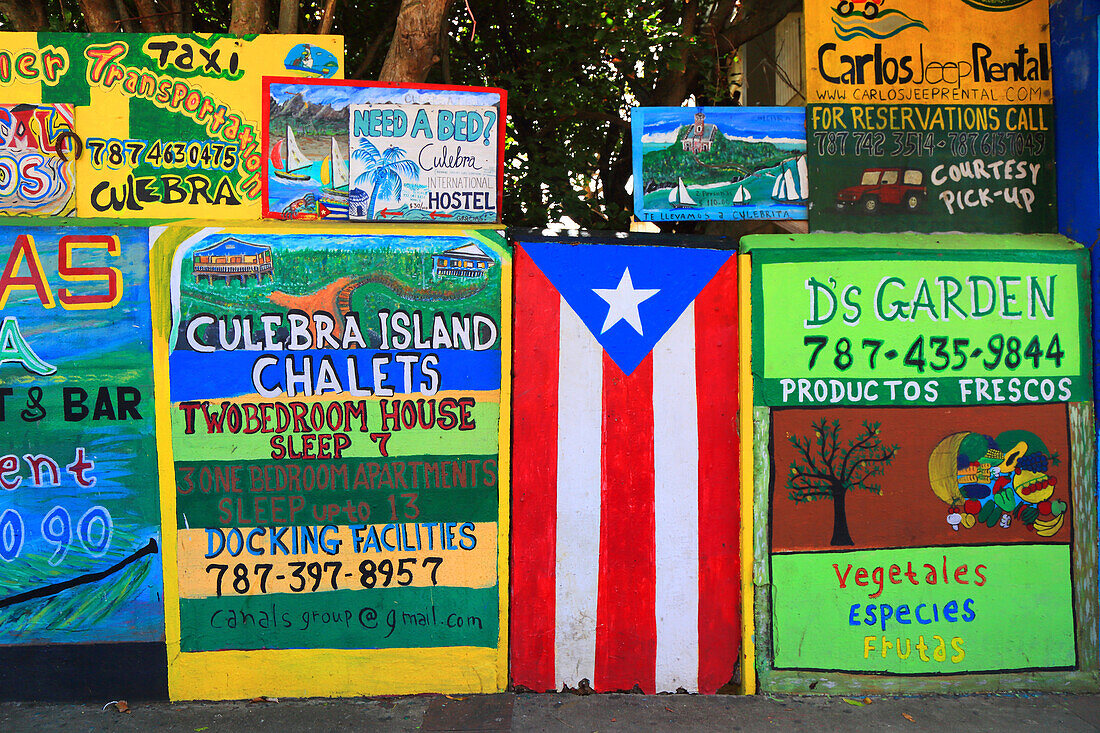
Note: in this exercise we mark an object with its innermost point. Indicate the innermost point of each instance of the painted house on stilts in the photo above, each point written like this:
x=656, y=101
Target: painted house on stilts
x=232, y=259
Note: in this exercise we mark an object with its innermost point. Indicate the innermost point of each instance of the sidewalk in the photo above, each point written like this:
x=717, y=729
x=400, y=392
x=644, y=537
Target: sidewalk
x=567, y=712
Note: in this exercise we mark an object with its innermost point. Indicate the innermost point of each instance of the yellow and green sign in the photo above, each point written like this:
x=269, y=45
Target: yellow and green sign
x=916, y=328
x=170, y=123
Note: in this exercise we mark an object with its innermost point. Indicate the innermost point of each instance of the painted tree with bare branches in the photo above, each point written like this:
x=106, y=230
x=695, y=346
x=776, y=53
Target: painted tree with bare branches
x=825, y=469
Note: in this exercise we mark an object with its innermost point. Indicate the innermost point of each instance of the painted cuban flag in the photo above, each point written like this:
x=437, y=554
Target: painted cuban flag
x=625, y=562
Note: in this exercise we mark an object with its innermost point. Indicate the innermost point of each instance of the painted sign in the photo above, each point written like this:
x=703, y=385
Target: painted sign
x=79, y=524
x=930, y=499
x=170, y=123
x=312, y=151
x=336, y=442
x=930, y=117
x=625, y=481
x=960, y=531
x=37, y=148
x=960, y=326
x=719, y=163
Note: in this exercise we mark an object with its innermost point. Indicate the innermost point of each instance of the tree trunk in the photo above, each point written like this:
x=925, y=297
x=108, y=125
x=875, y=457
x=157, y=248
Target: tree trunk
x=327, y=18
x=99, y=16
x=24, y=15
x=249, y=16
x=415, y=45
x=288, y=16
x=840, y=519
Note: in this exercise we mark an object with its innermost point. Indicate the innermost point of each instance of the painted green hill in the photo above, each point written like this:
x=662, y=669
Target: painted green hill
x=727, y=160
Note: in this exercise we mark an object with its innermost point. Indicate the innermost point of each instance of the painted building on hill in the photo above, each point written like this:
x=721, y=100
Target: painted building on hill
x=233, y=259
x=468, y=261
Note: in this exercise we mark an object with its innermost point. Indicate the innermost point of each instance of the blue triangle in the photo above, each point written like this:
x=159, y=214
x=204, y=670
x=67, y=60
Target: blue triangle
x=679, y=274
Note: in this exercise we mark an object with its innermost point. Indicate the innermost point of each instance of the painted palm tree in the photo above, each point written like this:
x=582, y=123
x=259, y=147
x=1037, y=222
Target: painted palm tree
x=383, y=172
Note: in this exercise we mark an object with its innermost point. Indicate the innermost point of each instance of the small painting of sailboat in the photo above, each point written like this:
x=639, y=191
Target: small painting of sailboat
x=680, y=198
x=287, y=158
x=742, y=195
x=334, y=176
x=792, y=184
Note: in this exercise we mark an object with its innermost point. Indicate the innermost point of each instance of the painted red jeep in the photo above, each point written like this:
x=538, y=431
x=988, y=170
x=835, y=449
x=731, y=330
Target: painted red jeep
x=870, y=7
x=904, y=186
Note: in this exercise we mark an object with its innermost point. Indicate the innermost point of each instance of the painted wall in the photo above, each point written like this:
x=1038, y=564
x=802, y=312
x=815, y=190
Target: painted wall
x=930, y=117
x=334, y=459
x=923, y=429
x=625, y=552
x=170, y=123
x=80, y=537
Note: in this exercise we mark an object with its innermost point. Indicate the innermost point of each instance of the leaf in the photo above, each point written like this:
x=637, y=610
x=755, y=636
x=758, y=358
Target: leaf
x=852, y=702
x=867, y=701
x=908, y=717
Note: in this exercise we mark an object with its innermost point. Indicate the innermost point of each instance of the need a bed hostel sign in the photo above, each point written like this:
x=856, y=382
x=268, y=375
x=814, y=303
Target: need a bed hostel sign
x=170, y=123
x=929, y=422
x=376, y=151
x=930, y=116
x=336, y=442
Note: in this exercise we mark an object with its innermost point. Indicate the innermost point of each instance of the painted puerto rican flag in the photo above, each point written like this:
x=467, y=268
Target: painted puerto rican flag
x=625, y=508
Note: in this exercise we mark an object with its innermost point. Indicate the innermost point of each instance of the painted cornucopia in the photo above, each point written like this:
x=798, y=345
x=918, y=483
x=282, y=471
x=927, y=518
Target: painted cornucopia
x=995, y=481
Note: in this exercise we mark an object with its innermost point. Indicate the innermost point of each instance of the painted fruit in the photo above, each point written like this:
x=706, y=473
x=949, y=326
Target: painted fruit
x=1044, y=507
x=968, y=520
x=1033, y=486
x=972, y=507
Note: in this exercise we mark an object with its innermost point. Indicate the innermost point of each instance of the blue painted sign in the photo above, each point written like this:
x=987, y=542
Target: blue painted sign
x=79, y=504
x=719, y=163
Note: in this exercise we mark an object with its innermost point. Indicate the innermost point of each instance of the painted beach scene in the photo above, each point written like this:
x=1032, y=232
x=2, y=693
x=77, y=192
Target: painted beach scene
x=719, y=163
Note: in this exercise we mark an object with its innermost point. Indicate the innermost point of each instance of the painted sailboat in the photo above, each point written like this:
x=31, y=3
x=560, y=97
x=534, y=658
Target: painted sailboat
x=742, y=195
x=334, y=177
x=287, y=158
x=792, y=183
x=680, y=198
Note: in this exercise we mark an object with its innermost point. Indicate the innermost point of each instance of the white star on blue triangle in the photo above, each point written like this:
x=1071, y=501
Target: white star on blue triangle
x=623, y=302
x=627, y=295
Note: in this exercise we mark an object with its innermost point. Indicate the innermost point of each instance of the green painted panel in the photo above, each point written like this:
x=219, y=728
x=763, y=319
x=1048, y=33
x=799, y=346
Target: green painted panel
x=938, y=610
x=912, y=328
x=379, y=618
x=262, y=493
x=931, y=168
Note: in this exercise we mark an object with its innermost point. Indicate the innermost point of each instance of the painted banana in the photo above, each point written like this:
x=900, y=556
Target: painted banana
x=1049, y=527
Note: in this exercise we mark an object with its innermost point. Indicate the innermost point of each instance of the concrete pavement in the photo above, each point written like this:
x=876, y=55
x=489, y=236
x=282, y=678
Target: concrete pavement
x=567, y=712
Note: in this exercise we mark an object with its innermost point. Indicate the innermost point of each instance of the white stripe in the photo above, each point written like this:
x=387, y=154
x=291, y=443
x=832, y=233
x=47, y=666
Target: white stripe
x=676, y=506
x=580, y=427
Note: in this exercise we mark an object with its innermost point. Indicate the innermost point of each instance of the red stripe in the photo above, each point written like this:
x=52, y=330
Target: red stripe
x=716, y=359
x=626, y=625
x=534, y=475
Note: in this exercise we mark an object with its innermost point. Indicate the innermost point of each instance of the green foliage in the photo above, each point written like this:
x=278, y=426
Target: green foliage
x=573, y=69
